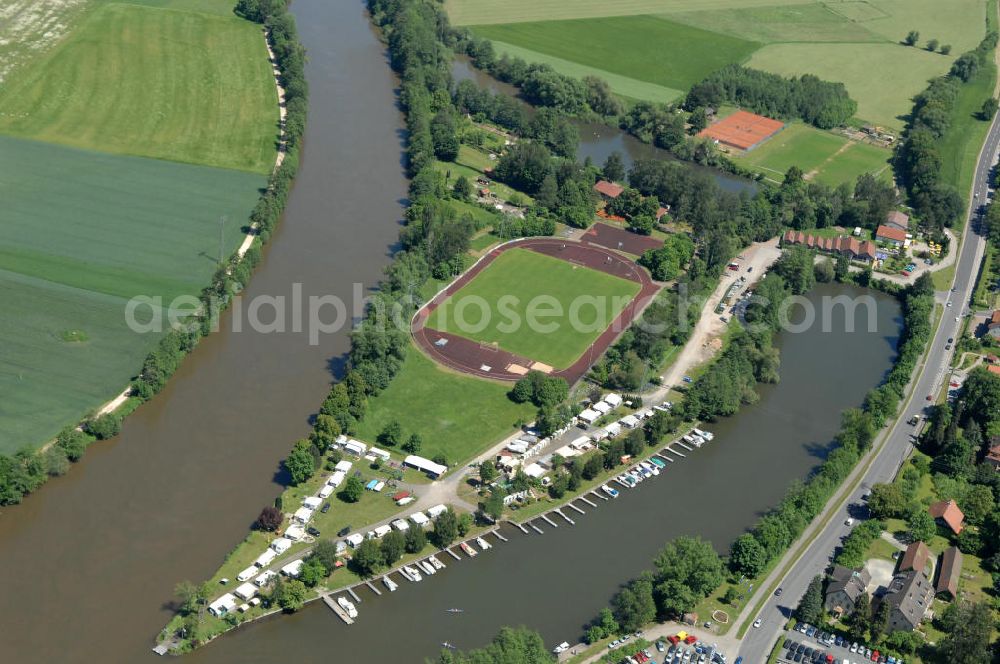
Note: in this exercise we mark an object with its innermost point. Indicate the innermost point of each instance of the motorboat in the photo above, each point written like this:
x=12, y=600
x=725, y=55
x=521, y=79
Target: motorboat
x=608, y=490
x=413, y=573
x=348, y=606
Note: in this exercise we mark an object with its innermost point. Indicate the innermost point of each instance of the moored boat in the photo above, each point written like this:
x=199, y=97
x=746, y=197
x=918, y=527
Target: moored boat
x=608, y=490
x=437, y=563
x=412, y=573
x=348, y=607
x=427, y=567
x=390, y=584
x=469, y=551
x=483, y=544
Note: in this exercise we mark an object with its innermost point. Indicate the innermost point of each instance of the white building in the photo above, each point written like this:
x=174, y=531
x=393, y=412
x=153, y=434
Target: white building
x=534, y=470
x=612, y=399
x=630, y=421
x=420, y=519
x=381, y=454
x=265, y=578
x=436, y=511
x=602, y=407
x=281, y=545
x=355, y=540
x=223, y=605
x=589, y=416
x=400, y=525
x=343, y=466
x=246, y=591
x=434, y=470
x=293, y=569
x=266, y=558
x=355, y=447
x=326, y=491
x=302, y=515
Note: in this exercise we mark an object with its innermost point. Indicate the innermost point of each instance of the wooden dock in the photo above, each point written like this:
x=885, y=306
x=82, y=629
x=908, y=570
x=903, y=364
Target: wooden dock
x=673, y=451
x=353, y=594
x=373, y=588
x=523, y=529
x=586, y=500
x=575, y=507
x=537, y=529
x=549, y=521
x=689, y=449
x=337, y=610
x=664, y=457
x=569, y=520
x=498, y=535
x=453, y=554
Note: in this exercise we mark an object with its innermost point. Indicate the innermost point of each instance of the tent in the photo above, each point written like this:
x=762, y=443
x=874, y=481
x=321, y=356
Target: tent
x=281, y=545
x=371, y=485
x=378, y=486
x=265, y=559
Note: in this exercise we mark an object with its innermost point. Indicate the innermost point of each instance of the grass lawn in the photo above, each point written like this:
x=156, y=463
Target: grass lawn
x=185, y=86
x=960, y=145
x=647, y=48
x=524, y=275
x=453, y=169
x=813, y=21
x=83, y=232
x=456, y=415
x=797, y=144
x=852, y=64
x=625, y=86
x=470, y=12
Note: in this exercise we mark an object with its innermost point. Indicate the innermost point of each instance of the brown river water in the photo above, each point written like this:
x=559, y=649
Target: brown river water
x=90, y=562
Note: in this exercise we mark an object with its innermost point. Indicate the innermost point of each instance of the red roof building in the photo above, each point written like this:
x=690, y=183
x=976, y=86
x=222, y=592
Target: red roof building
x=915, y=558
x=993, y=368
x=891, y=235
x=852, y=247
x=948, y=515
x=897, y=219
x=608, y=189
x=949, y=572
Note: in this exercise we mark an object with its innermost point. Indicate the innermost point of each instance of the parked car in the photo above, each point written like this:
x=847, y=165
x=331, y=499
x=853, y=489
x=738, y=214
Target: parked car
x=777, y=593
x=343, y=531
x=325, y=508
x=313, y=530
x=758, y=622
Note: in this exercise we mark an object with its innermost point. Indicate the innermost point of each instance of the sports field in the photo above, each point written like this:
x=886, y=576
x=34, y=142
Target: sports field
x=83, y=232
x=186, y=86
x=822, y=156
x=645, y=48
x=455, y=415
x=522, y=277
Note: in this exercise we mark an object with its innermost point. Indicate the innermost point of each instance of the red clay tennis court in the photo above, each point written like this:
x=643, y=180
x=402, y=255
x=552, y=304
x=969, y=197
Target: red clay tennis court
x=743, y=130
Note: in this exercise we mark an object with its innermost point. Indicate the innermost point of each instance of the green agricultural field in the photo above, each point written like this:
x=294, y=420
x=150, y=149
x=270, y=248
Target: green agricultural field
x=864, y=69
x=63, y=352
x=646, y=48
x=620, y=85
x=822, y=155
x=179, y=85
x=960, y=145
x=116, y=224
x=815, y=22
x=526, y=275
x=83, y=232
x=477, y=12
x=455, y=415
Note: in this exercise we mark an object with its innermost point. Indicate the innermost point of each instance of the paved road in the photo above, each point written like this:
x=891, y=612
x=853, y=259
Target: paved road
x=757, y=643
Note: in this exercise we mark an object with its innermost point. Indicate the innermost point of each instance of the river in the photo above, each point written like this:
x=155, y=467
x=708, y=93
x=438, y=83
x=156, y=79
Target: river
x=558, y=581
x=91, y=560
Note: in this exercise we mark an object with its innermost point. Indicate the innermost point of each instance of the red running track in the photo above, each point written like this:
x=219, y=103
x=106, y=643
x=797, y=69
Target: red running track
x=470, y=357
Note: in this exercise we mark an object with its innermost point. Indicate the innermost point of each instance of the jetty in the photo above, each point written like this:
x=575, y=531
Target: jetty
x=560, y=513
x=537, y=529
x=498, y=535
x=689, y=449
x=336, y=608
x=575, y=507
x=588, y=501
x=350, y=591
x=523, y=529
x=673, y=451
x=453, y=554
x=664, y=457
x=549, y=521
x=373, y=588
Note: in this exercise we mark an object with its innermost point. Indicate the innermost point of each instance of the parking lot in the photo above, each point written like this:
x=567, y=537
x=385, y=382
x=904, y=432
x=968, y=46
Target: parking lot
x=823, y=647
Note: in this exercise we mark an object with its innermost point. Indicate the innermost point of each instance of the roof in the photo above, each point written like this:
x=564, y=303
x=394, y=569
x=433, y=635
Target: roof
x=425, y=465
x=609, y=189
x=891, y=233
x=993, y=368
x=948, y=511
x=851, y=582
x=951, y=569
x=916, y=557
x=742, y=130
x=897, y=217
x=994, y=453
x=994, y=318
x=910, y=593
x=401, y=495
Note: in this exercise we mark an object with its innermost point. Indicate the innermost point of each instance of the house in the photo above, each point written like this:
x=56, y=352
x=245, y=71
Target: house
x=909, y=596
x=898, y=220
x=993, y=456
x=851, y=247
x=431, y=469
x=947, y=514
x=661, y=212
x=993, y=325
x=994, y=368
x=890, y=235
x=949, y=571
x=608, y=190
x=915, y=558
x=845, y=588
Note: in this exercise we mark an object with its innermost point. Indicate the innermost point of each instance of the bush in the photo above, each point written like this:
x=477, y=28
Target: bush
x=104, y=426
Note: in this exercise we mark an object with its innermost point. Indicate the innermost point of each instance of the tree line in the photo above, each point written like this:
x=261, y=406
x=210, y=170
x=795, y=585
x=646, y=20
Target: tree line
x=27, y=469
x=918, y=158
x=824, y=104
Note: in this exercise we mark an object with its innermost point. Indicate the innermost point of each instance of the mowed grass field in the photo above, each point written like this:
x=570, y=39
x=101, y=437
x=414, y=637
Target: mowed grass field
x=522, y=277
x=82, y=232
x=135, y=79
x=822, y=155
x=455, y=415
x=476, y=12
x=645, y=48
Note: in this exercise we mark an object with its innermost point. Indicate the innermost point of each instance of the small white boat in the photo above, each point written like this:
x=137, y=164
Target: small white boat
x=437, y=563
x=427, y=567
x=707, y=435
x=469, y=551
x=456, y=610
x=447, y=645
x=413, y=574
x=650, y=467
x=688, y=438
x=390, y=584
x=348, y=606
x=483, y=544
x=608, y=490
x=562, y=647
